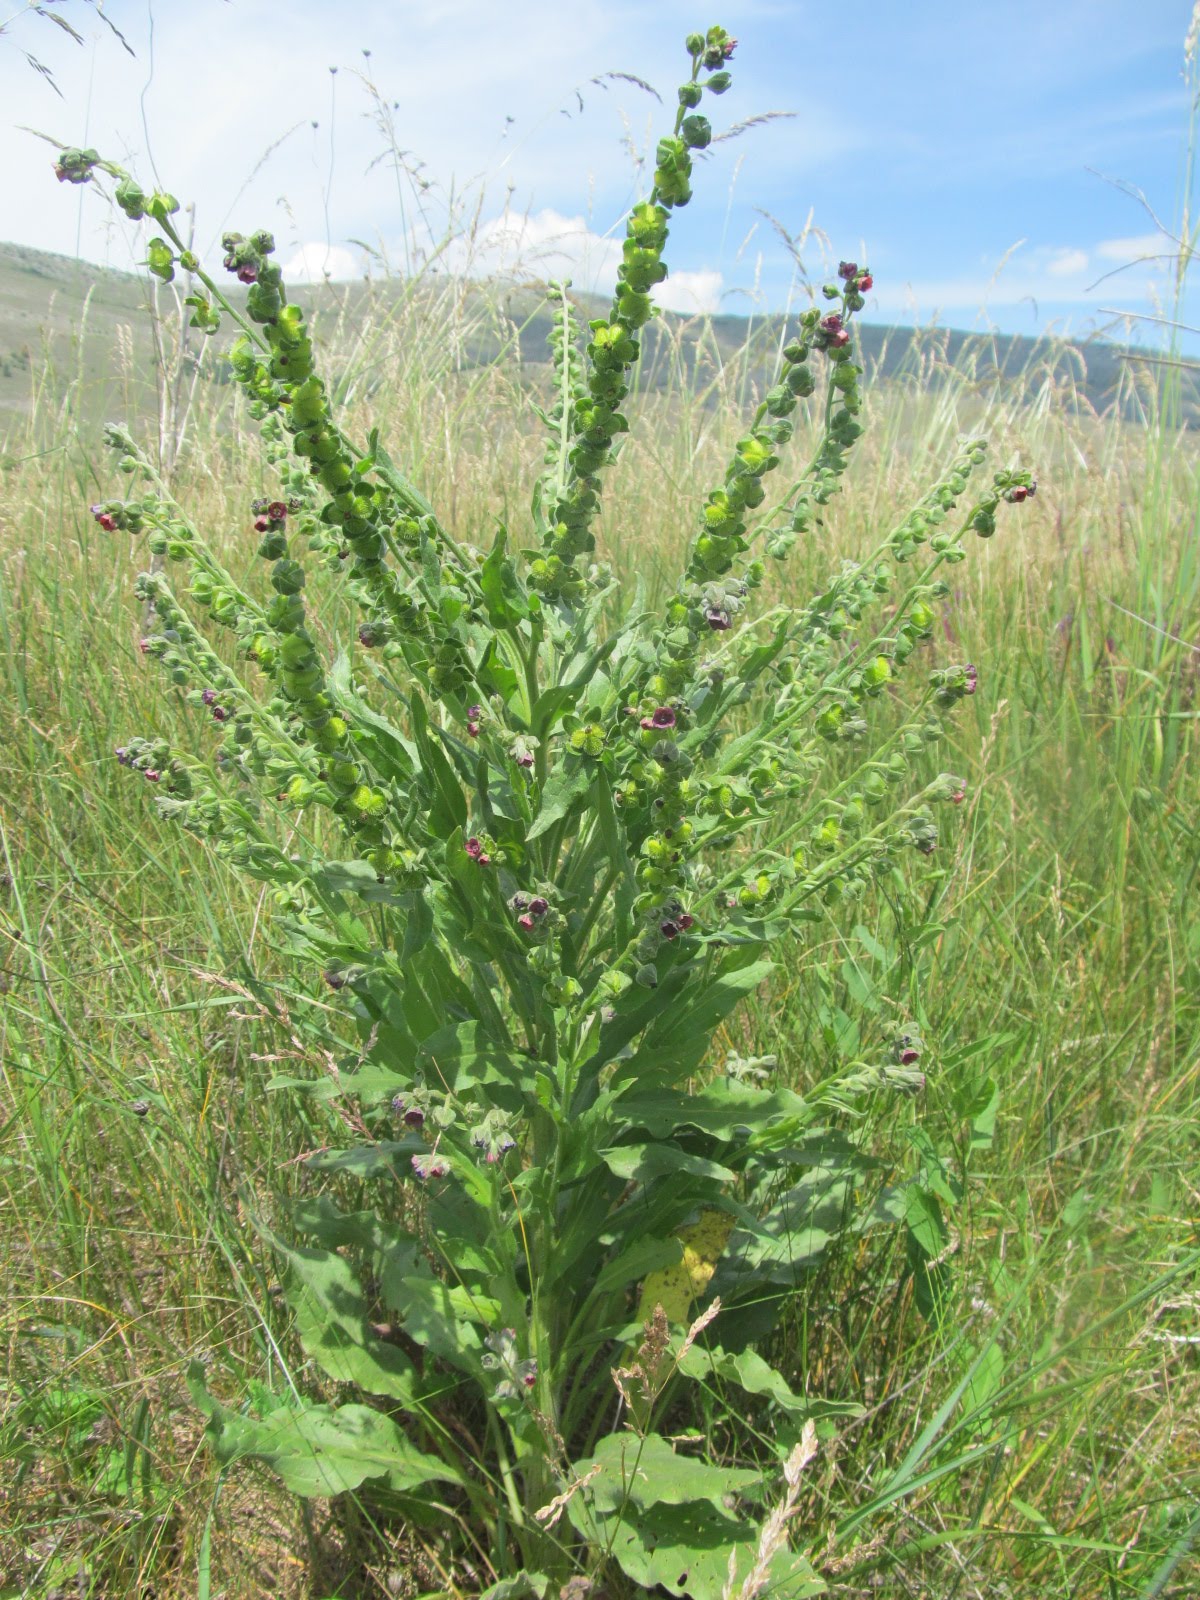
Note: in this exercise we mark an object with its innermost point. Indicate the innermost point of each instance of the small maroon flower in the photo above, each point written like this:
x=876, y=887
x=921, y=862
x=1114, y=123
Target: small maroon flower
x=152, y=775
x=144, y=646
x=334, y=978
x=414, y=1117
x=474, y=713
x=972, y=677
x=525, y=759
x=647, y=725
x=840, y=339
x=122, y=755
x=247, y=272
x=717, y=618
x=1017, y=493
x=220, y=714
x=209, y=696
x=669, y=929
x=477, y=854
x=686, y=922
x=538, y=907
x=526, y=922
x=908, y=1055
x=519, y=902
x=368, y=635
x=107, y=522
x=926, y=846
x=429, y=1167
x=472, y=730
x=277, y=510
x=663, y=717
x=832, y=323
x=865, y=282
x=848, y=270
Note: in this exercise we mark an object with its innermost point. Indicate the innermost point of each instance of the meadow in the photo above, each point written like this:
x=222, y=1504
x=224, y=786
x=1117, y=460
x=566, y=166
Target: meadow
x=1042, y=1436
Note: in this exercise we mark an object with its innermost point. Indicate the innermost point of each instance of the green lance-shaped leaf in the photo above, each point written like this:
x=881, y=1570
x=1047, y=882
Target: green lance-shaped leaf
x=319, y=1450
x=334, y=1324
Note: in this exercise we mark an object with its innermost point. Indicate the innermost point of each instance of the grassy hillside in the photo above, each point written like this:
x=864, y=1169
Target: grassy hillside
x=106, y=343
x=1057, y=963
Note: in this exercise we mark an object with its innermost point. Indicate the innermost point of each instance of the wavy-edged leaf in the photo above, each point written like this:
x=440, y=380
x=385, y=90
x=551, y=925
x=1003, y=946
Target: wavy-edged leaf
x=319, y=1450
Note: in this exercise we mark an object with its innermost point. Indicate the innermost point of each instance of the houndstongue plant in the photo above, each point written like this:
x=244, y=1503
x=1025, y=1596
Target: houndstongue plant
x=540, y=859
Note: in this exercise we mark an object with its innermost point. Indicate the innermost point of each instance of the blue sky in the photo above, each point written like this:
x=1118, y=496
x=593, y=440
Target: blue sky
x=972, y=153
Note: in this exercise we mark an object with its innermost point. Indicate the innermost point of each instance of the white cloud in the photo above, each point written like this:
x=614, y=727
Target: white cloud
x=541, y=244
x=691, y=292
x=313, y=263
x=1138, y=247
x=1067, y=263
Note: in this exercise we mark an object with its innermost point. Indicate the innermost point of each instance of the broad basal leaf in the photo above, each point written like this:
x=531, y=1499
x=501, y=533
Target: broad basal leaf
x=319, y=1450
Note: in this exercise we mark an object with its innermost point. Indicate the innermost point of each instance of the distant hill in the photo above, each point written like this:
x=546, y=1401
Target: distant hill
x=68, y=327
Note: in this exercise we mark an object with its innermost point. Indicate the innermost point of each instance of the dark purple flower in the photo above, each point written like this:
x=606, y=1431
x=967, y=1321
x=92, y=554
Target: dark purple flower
x=247, y=273
x=262, y=524
x=525, y=759
x=972, y=677
x=865, y=282
x=686, y=922
x=669, y=929
x=335, y=978
x=538, y=907
x=414, y=1117
x=474, y=713
x=848, y=269
x=908, y=1055
x=152, y=775
x=108, y=523
x=277, y=511
x=717, y=618
x=663, y=717
x=473, y=730
x=220, y=714
x=209, y=696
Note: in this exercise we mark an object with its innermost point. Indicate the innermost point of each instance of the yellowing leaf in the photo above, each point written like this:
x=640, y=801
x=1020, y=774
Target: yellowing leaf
x=676, y=1287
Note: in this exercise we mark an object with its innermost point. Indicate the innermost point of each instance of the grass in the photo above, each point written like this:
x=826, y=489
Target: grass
x=1040, y=1437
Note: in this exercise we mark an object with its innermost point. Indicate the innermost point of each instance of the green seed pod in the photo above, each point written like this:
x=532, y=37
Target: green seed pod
x=131, y=199
x=160, y=258
x=160, y=206
x=287, y=577
x=697, y=132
